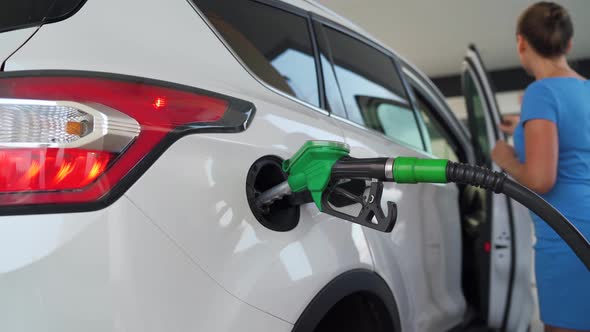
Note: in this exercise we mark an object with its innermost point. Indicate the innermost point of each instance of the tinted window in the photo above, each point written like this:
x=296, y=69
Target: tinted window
x=437, y=139
x=394, y=119
x=274, y=44
x=371, y=88
x=20, y=13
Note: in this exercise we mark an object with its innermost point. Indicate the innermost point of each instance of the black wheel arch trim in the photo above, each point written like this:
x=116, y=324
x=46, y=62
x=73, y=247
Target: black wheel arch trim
x=237, y=118
x=348, y=283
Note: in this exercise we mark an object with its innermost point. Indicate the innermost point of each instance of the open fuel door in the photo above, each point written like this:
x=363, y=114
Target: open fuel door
x=504, y=247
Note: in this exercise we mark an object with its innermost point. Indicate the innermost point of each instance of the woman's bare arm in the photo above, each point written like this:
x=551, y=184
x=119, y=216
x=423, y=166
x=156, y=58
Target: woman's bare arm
x=539, y=172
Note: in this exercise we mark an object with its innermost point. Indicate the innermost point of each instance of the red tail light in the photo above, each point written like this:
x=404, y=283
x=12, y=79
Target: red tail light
x=72, y=139
x=24, y=170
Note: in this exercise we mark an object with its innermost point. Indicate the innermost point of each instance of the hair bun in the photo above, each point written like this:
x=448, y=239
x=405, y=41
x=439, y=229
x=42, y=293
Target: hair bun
x=556, y=15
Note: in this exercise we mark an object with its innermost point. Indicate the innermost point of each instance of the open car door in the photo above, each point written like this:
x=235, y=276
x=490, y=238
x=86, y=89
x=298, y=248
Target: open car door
x=504, y=246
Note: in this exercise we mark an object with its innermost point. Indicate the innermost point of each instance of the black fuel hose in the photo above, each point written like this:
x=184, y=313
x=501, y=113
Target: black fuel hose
x=415, y=170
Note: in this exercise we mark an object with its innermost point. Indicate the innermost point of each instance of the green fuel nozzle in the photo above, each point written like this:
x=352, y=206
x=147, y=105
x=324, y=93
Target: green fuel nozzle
x=311, y=167
x=320, y=167
x=325, y=170
x=316, y=163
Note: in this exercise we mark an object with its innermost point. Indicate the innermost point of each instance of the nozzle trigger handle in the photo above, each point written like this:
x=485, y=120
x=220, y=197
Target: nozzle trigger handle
x=371, y=214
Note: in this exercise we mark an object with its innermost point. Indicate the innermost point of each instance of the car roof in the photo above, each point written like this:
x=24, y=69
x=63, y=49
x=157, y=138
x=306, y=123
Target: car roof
x=321, y=10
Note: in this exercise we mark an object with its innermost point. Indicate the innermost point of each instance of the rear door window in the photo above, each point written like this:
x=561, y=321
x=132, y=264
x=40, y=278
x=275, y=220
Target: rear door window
x=372, y=90
x=15, y=14
x=438, y=140
x=274, y=44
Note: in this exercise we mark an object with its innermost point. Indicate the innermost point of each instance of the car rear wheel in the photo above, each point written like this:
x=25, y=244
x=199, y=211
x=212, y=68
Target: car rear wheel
x=355, y=313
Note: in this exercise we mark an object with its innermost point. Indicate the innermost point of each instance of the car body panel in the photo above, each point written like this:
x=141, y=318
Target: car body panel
x=110, y=270
x=278, y=272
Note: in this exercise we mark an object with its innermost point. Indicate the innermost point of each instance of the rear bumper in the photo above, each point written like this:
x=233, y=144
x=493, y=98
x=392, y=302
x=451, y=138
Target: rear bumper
x=110, y=270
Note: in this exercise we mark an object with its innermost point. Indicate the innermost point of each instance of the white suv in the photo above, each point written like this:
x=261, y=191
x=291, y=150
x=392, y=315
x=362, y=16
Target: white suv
x=135, y=133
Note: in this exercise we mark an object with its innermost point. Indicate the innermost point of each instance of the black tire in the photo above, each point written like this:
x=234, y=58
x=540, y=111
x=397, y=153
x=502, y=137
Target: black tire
x=356, y=313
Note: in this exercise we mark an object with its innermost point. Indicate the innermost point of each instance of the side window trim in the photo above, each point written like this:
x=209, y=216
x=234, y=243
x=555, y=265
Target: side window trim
x=318, y=62
x=412, y=101
x=319, y=35
x=277, y=5
x=320, y=22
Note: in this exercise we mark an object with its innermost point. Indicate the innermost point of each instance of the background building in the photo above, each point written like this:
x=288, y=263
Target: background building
x=437, y=41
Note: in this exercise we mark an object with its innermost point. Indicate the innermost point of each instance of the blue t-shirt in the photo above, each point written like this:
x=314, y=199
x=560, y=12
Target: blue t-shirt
x=565, y=102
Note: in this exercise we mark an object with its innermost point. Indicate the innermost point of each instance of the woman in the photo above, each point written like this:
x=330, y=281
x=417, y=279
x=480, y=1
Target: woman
x=552, y=157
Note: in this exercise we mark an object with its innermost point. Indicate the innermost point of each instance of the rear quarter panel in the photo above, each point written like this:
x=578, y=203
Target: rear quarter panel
x=195, y=192
x=110, y=270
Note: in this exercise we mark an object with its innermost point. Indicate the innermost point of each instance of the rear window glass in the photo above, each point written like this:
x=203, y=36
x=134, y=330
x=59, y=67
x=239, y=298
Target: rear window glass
x=275, y=44
x=16, y=14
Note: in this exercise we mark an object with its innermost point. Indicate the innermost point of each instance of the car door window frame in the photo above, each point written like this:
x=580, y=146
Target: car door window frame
x=319, y=23
x=490, y=125
x=489, y=90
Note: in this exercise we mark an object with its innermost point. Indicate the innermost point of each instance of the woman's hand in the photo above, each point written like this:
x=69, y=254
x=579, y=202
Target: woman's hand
x=503, y=155
x=509, y=123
